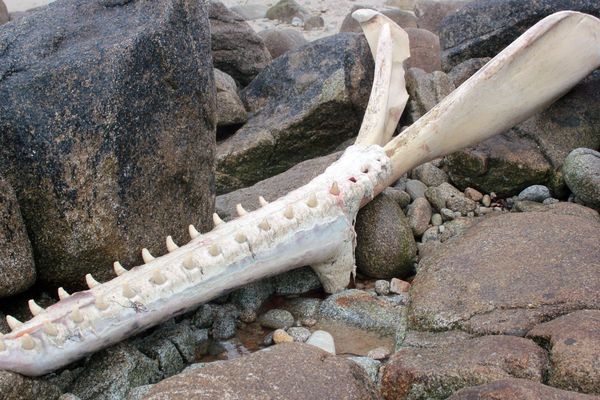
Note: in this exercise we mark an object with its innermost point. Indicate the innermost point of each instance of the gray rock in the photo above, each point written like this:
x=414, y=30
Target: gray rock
x=461, y=204
x=425, y=91
x=250, y=12
x=139, y=392
x=297, y=281
x=4, y=17
x=304, y=105
x=438, y=196
x=18, y=387
x=230, y=109
x=299, y=334
x=253, y=295
x=550, y=200
x=286, y=11
x=436, y=219
x=429, y=174
x=403, y=18
x=537, y=193
x=430, y=13
x=400, y=196
x=422, y=339
x=17, y=271
x=224, y=327
x=370, y=366
x=281, y=40
x=204, y=316
x=425, y=50
x=365, y=311
x=431, y=235
x=303, y=308
x=382, y=287
x=322, y=340
x=385, y=243
x=111, y=373
x=415, y=188
x=276, y=319
x=446, y=214
x=314, y=23
x=128, y=111
x=236, y=48
x=582, y=174
x=484, y=28
x=466, y=69
x=71, y=396
x=419, y=214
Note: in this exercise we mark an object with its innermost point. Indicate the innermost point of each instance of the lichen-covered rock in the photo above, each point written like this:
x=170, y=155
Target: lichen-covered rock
x=582, y=174
x=304, y=104
x=18, y=387
x=517, y=389
x=574, y=345
x=483, y=28
x=280, y=41
x=102, y=108
x=293, y=371
x=435, y=373
x=385, y=245
x=507, y=273
x=17, y=271
x=236, y=48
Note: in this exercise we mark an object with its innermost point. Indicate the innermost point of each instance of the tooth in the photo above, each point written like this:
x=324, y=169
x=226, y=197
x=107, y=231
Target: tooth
x=189, y=262
x=62, y=293
x=240, y=210
x=214, y=250
x=50, y=329
x=91, y=282
x=13, y=323
x=76, y=315
x=171, y=245
x=158, y=278
x=128, y=291
x=146, y=256
x=262, y=201
x=34, y=307
x=264, y=225
x=100, y=303
x=193, y=232
x=241, y=238
x=119, y=270
x=312, y=200
x=289, y=212
x=27, y=342
x=217, y=220
x=335, y=189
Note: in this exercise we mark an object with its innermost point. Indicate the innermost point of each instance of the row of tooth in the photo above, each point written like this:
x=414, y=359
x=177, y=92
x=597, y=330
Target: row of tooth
x=157, y=278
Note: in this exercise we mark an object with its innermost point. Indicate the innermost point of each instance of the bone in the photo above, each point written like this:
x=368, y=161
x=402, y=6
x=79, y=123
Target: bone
x=2, y=345
x=128, y=291
x=34, y=308
x=289, y=212
x=240, y=210
x=532, y=72
x=262, y=201
x=171, y=245
x=50, y=329
x=158, y=278
x=27, y=342
x=146, y=256
x=217, y=220
x=13, y=323
x=76, y=315
x=193, y=232
x=264, y=225
x=62, y=293
x=335, y=189
x=390, y=47
x=312, y=201
x=90, y=281
x=118, y=268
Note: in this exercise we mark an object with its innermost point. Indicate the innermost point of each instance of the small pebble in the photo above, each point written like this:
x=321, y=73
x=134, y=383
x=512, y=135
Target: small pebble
x=276, y=319
x=470, y=214
x=309, y=322
x=281, y=336
x=399, y=286
x=436, y=219
x=297, y=21
x=379, y=353
x=268, y=340
x=248, y=316
x=430, y=234
x=486, y=200
x=536, y=193
x=473, y=194
x=322, y=340
x=447, y=214
x=441, y=228
x=299, y=334
x=550, y=200
x=382, y=287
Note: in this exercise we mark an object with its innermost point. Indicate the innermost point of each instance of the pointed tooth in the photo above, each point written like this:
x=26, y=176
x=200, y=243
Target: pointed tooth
x=100, y=303
x=76, y=315
x=217, y=220
x=13, y=323
x=128, y=291
x=146, y=256
x=262, y=201
x=240, y=210
x=214, y=250
x=289, y=212
x=264, y=225
x=27, y=342
x=91, y=282
x=193, y=232
x=335, y=189
x=62, y=293
x=158, y=278
x=312, y=200
x=2, y=346
x=189, y=262
x=171, y=245
x=241, y=238
x=119, y=270
x=34, y=308
x=50, y=329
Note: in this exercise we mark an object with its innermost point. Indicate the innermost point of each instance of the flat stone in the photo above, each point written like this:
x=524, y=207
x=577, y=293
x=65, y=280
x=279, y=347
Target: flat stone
x=433, y=339
x=291, y=371
x=574, y=345
x=426, y=373
x=506, y=274
x=299, y=333
x=517, y=389
x=370, y=366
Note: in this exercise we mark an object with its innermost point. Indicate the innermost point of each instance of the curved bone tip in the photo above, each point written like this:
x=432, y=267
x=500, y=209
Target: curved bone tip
x=217, y=220
x=240, y=210
x=13, y=323
x=34, y=308
x=171, y=245
x=91, y=282
x=62, y=293
x=364, y=15
x=193, y=232
x=119, y=270
x=146, y=256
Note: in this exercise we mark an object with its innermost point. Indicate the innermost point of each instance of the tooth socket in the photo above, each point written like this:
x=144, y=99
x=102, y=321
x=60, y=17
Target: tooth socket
x=264, y=225
x=100, y=303
x=189, y=262
x=335, y=189
x=27, y=342
x=241, y=238
x=76, y=315
x=289, y=212
x=158, y=278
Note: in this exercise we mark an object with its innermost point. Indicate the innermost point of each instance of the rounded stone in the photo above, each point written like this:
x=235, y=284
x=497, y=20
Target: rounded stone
x=299, y=334
x=322, y=340
x=280, y=41
x=419, y=214
x=436, y=219
x=276, y=319
x=281, y=336
x=582, y=175
x=313, y=23
x=537, y=193
x=382, y=287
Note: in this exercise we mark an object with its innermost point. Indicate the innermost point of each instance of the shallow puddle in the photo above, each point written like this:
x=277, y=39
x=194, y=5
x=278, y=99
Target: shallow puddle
x=354, y=341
